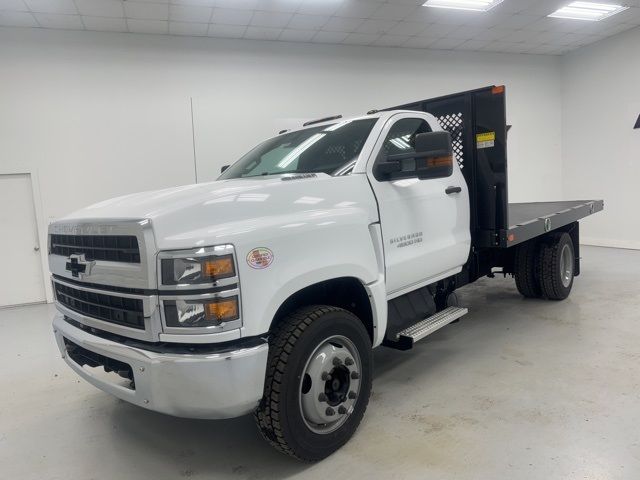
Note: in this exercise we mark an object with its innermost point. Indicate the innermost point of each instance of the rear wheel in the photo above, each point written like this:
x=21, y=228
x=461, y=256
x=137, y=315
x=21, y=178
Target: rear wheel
x=556, y=265
x=526, y=269
x=318, y=382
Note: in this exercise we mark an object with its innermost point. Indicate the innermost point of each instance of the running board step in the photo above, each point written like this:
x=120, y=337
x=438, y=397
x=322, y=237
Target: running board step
x=410, y=335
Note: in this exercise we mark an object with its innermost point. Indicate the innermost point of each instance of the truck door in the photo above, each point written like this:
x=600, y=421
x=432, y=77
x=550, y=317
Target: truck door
x=425, y=223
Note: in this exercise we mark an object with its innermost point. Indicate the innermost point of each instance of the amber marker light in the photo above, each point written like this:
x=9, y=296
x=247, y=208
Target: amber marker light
x=439, y=161
x=222, y=310
x=218, y=267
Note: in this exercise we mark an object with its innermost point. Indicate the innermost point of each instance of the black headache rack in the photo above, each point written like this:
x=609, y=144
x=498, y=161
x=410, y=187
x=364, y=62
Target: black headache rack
x=477, y=122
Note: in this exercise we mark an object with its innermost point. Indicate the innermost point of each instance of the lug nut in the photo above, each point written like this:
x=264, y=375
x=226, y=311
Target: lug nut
x=337, y=362
x=355, y=375
x=348, y=361
x=342, y=410
x=325, y=376
x=330, y=412
x=352, y=395
x=322, y=397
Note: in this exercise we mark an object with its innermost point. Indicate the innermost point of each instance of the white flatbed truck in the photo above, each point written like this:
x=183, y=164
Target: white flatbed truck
x=265, y=291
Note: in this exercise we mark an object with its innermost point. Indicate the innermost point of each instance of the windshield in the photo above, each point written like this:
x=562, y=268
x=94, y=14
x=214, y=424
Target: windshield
x=326, y=149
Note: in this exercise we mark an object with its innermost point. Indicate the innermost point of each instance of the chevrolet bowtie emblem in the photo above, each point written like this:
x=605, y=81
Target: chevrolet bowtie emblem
x=78, y=264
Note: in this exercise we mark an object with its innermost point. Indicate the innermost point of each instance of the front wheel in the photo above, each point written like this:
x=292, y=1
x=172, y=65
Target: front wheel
x=318, y=382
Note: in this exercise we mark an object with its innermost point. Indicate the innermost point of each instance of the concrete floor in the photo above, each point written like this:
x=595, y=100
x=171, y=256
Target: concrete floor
x=519, y=389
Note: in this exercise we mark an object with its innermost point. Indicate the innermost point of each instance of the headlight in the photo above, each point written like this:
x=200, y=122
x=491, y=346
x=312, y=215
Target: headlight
x=201, y=313
x=194, y=267
x=199, y=290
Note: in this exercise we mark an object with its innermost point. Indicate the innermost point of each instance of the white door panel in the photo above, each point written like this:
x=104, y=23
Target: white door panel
x=22, y=280
x=425, y=230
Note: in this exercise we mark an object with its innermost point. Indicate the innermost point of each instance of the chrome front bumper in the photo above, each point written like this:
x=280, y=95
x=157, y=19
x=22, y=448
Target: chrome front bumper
x=216, y=385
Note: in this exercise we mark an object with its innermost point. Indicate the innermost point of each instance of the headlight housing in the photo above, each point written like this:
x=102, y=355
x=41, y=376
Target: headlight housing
x=201, y=313
x=199, y=290
x=197, y=269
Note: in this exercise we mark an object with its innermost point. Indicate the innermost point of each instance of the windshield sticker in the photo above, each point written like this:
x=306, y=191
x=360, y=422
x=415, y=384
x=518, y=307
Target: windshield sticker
x=260, y=258
x=486, y=140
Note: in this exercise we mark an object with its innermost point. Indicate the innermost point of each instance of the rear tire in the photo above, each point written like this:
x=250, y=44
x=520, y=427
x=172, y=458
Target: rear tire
x=526, y=270
x=557, y=266
x=317, y=384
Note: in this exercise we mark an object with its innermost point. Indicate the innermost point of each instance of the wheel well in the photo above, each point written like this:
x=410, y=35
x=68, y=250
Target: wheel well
x=507, y=256
x=344, y=292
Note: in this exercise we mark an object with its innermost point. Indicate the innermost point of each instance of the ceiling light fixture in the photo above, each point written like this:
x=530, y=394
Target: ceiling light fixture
x=474, y=5
x=592, y=12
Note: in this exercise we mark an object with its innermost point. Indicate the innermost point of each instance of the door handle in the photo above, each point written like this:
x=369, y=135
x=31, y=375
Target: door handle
x=451, y=190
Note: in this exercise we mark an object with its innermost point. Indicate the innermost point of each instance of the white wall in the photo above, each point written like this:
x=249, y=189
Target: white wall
x=98, y=114
x=601, y=150
x=248, y=93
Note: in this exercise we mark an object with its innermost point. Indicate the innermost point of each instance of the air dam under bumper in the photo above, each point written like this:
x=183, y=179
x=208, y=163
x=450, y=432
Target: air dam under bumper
x=219, y=385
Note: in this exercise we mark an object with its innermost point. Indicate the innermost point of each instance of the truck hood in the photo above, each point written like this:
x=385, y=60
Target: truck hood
x=200, y=214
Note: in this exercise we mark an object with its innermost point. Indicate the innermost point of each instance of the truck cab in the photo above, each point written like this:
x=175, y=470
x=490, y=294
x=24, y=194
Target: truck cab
x=266, y=290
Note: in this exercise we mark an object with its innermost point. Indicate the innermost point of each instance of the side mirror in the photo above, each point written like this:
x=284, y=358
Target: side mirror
x=434, y=155
x=224, y=167
x=433, y=158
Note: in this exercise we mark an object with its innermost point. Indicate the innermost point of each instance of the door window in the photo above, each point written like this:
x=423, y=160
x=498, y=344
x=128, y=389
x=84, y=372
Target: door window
x=401, y=140
x=402, y=136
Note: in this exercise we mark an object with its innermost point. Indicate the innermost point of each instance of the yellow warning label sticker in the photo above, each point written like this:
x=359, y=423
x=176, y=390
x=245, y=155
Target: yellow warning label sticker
x=486, y=140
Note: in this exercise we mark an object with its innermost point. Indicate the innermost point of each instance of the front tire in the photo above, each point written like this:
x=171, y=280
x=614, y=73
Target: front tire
x=318, y=382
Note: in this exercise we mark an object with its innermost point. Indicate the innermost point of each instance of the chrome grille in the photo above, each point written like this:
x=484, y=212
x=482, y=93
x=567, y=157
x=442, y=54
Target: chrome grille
x=114, y=248
x=128, y=312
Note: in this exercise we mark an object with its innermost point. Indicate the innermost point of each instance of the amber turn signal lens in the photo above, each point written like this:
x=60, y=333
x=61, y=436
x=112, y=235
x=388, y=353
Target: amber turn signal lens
x=439, y=162
x=222, y=310
x=218, y=267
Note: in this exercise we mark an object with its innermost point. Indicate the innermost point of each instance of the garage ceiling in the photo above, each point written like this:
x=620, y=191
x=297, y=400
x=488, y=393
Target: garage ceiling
x=514, y=26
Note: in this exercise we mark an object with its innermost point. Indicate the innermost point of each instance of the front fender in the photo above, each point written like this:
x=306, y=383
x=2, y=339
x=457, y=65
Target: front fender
x=314, y=249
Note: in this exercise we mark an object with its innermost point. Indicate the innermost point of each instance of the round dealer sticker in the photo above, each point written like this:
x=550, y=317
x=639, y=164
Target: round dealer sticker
x=260, y=257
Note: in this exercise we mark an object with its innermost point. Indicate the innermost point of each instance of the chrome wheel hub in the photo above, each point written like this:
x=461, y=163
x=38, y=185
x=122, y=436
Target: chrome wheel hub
x=330, y=384
x=566, y=266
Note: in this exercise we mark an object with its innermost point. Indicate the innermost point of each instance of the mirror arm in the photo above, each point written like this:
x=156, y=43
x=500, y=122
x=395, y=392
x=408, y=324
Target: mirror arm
x=385, y=169
x=401, y=156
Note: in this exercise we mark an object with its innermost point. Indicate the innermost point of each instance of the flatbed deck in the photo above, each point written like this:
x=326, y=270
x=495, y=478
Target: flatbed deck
x=529, y=220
